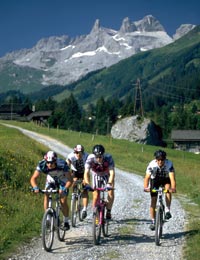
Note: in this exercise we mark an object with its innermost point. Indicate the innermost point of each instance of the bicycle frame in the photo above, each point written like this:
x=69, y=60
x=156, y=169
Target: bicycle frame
x=100, y=223
x=101, y=203
x=51, y=220
x=160, y=214
x=76, y=202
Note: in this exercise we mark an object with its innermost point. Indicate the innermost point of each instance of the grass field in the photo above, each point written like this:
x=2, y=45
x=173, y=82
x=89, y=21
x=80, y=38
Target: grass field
x=21, y=212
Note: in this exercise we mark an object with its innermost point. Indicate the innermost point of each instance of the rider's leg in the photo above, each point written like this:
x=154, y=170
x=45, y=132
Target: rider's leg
x=168, y=196
x=85, y=199
x=46, y=201
x=111, y=197
x=94, y=199
x=64, y=206
x=153, y=207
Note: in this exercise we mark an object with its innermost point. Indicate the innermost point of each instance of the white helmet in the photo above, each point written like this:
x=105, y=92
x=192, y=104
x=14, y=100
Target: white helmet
x=50, y=156
x=79, y=148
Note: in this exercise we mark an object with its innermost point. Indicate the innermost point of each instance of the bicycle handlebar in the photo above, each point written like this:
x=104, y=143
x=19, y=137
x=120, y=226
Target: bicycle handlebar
x=154, y=190
x=49, y=191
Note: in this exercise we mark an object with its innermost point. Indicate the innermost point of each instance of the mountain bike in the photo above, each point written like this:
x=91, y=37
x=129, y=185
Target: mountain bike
x=52, y=220
x=76, y=202
x=100, y=223
x=160, y=214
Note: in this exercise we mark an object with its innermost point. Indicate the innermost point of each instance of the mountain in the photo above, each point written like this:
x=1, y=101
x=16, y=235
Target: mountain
x=63, y=60
x=167, y=74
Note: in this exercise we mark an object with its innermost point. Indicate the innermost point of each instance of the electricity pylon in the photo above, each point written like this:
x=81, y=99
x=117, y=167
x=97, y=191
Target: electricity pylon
x=138, y=108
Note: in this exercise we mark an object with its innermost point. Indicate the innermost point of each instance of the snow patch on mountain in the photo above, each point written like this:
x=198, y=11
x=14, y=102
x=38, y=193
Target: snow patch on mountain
x=64, y=60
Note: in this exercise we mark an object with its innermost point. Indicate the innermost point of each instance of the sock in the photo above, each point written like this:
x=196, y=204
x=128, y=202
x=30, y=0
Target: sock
x=153, y=220
x=167, y=209
x=66, y=219
x=84, y=208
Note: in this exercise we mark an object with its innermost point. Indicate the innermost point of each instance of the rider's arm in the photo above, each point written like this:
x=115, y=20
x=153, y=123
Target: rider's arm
x=69, y=179
x=86, y=176
x=68, y=161
x=112, y=176
x=172, y=180
x=33, y=179
x=146, y=180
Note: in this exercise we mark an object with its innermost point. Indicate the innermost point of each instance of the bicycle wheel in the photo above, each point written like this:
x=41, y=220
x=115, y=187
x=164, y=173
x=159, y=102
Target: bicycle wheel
x=73, y=210
x=59, y=228
x=159, y=224
x=96, y=227
x=48, y=229
x=105, y=225
x=80, y=207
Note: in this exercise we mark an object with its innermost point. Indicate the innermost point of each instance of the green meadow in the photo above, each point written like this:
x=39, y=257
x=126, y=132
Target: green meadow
x=21, y=212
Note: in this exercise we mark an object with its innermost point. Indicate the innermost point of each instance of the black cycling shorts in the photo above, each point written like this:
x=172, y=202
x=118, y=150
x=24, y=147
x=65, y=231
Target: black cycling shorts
x=157, y=182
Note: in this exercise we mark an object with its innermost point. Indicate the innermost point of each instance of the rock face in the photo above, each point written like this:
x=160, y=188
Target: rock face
x=138, y=130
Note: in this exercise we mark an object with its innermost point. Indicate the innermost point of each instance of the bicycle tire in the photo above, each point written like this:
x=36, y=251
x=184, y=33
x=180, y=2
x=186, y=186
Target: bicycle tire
x=48, y=229
x=96, y=227
x=73, y=210
x=105, y=225
x=59, y=228
x=158, y=225
x=80, y=207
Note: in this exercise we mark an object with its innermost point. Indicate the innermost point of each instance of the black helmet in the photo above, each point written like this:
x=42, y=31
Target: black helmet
x=160, y=154
x=98, y=150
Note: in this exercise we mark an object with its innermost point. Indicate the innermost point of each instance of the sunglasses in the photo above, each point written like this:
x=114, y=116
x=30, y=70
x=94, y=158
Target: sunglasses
x=99, y=156
x=160, y=159
x=77, y=152
x=50, y=162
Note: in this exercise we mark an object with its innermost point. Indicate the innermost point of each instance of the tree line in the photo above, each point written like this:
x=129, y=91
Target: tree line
x=100, y=117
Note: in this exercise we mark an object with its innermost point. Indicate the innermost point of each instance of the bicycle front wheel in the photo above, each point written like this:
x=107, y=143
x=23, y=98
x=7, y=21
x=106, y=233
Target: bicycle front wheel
x=159, y=225
x=60, y=229
x=73, y=210
x=105, y=225
x=96, y=227
x=48, y=229
x=79, y=207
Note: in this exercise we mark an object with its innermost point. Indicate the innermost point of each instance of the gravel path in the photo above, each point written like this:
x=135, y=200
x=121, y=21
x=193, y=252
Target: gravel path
x=130, y=236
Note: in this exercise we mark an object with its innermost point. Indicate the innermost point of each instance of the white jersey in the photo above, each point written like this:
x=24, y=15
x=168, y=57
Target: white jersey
x=78, y=165
x=161, y=172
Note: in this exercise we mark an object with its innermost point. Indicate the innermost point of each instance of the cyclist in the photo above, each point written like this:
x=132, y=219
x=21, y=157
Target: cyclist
x=101, y=164
x=56, y=170
x=160, y=172
x=76, y=160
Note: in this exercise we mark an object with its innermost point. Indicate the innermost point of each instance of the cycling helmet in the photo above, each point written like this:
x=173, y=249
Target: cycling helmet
x=79, y=148
x=160, y=154
x=50, y=156
x=98, y=150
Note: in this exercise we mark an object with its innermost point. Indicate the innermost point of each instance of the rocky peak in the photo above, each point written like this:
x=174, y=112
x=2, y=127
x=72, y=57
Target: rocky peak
x=149, y=24
x=53, y=43
x=182, y=30
x=127, y=26
x=96, y=26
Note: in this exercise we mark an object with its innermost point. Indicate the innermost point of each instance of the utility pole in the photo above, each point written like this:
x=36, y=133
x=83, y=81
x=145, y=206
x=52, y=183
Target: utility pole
x=108, y=125
x=138, y=99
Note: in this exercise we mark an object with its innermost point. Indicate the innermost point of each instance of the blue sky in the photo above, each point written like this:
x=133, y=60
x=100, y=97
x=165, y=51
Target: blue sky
x=24, y=22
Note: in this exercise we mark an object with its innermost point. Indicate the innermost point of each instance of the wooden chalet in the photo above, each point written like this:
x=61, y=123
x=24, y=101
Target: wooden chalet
x=40, y=117
x=14, y=111
x=186, y=140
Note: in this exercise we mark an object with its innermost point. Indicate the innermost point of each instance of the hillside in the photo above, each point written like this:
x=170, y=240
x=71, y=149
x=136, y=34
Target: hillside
x=170, y=72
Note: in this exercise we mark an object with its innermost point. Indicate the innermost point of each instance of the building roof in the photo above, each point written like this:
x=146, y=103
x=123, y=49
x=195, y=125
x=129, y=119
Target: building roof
x=185, y=135
x=40, y=114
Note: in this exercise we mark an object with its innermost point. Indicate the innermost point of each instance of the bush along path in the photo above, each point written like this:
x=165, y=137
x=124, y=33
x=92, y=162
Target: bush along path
x=130, y=236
